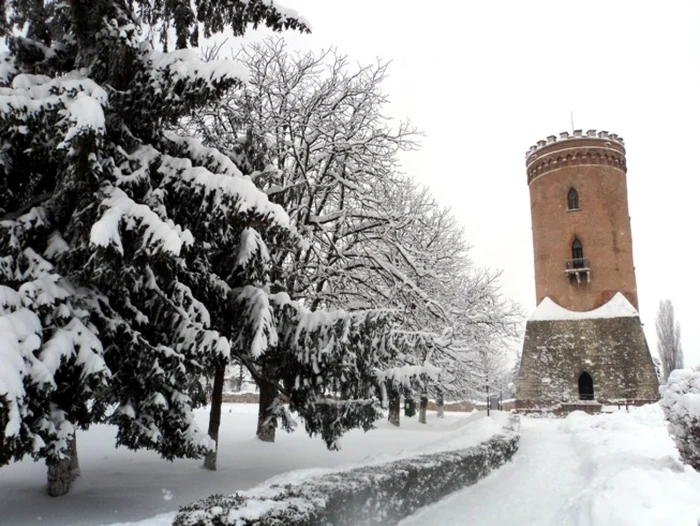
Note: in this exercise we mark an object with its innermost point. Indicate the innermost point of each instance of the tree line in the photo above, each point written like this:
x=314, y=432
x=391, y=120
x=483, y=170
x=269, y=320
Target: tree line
x=164, y=215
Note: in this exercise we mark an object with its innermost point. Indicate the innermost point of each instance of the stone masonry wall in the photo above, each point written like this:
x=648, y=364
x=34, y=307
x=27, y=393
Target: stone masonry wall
x=613, y=351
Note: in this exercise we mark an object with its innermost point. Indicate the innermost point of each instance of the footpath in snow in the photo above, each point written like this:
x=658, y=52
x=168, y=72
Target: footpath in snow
x=122, y=486
x=614, y=469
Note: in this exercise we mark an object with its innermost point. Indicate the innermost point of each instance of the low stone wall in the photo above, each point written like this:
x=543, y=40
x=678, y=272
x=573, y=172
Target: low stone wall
x=240, y=398
x=563, y=408
x=252, y=398
x=369, y=495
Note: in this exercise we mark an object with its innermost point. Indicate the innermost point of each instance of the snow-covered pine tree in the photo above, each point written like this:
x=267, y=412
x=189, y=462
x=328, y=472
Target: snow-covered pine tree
x=99, y=212
x=329, y=365
x=326, y=364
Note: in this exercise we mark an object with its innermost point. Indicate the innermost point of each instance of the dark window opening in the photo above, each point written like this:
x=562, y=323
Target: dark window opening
x=585, y=386
x=577, y=254
x=572, y=199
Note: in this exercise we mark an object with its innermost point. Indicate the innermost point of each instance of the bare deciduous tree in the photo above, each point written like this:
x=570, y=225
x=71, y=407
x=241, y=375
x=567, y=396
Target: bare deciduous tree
x=311, y=131
x=668, y=332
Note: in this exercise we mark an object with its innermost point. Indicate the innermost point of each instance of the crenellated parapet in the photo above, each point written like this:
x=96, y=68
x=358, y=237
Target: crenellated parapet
x=590, y=148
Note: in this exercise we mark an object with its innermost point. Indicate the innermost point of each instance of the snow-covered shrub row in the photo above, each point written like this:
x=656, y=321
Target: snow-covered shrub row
x=681, y=403
x=367, y=495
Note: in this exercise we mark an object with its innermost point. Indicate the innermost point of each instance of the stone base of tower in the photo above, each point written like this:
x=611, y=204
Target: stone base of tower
x=584, y=364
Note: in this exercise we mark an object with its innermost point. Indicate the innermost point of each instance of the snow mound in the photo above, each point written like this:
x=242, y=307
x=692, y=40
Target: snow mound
x=617, y=307
x=631, y=472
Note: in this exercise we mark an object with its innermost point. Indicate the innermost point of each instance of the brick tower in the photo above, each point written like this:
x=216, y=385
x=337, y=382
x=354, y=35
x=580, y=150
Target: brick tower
x=584, y=345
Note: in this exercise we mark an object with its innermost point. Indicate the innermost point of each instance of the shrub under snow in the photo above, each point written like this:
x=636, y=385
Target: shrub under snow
x=368, y=495
x=681, y=403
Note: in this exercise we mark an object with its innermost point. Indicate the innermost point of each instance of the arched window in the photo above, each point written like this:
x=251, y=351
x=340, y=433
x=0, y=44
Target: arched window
x=585, y=386
x=572, y=199
x=577, y=253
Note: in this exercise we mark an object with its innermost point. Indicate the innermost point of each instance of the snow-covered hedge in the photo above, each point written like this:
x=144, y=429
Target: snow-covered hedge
x=367, y=495
x=681, y=403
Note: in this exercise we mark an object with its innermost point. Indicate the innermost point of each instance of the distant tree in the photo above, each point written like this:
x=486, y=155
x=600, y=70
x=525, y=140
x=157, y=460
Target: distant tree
x=668, y=333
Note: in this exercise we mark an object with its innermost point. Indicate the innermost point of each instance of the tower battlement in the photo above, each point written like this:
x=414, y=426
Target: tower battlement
x=590, y=148
x=578, y=134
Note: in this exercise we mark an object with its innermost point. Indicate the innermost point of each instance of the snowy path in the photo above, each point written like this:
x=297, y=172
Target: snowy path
x=528, y=479
x=611, y=470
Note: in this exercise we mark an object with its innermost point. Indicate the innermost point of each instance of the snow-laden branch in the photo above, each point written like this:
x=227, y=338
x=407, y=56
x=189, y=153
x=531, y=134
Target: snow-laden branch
x=122, y=212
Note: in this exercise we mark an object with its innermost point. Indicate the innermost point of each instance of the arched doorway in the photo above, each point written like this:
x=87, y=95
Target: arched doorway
x=585, y=386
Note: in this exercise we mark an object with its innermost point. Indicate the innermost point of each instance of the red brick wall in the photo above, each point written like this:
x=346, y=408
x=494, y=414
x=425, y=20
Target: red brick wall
x=596, y=169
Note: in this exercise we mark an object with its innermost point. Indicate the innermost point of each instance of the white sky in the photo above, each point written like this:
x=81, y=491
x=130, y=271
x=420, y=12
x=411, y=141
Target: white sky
x=485, y=80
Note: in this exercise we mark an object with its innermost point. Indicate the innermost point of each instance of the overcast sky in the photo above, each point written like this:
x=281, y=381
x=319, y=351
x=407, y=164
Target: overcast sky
x=485, y=80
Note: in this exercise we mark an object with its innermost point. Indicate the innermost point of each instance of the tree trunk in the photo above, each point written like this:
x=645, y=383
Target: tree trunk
x=62, y=473
x=423, y=408
x=440, y=404
x=267, y=422
x=394, y=406
x=215, y=415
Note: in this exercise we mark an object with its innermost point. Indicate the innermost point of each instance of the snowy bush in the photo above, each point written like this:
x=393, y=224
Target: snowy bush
x=367, y=495
x=681, y=403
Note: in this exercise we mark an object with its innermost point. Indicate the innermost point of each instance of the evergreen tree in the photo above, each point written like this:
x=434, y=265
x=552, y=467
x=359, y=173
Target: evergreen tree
x=104, y=217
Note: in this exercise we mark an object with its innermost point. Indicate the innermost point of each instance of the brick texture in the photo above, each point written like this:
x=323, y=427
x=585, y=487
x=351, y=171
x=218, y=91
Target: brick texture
x=601, y=223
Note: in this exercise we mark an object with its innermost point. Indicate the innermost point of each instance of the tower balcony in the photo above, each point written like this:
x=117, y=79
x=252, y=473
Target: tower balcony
x=580, y=268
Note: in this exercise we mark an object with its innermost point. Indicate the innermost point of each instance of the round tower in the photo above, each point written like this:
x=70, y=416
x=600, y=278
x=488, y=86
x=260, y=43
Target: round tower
x=580, y=220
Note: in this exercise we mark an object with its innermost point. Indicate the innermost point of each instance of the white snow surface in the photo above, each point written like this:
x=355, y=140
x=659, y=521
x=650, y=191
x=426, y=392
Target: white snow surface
x=614, y=469
x=618, y=469
x=185, y=64
x=251, y=243
x=87, y=114
x=121, y=209
x=19, y=339
x=118, y=486
x=617, y=307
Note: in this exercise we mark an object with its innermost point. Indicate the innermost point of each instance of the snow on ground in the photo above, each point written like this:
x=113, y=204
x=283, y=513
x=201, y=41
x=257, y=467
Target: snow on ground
x=615, y=469
x=118, y=485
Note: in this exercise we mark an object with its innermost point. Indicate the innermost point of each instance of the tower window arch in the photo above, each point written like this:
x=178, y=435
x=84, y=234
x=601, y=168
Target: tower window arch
x=577, y=253
x=572, y=199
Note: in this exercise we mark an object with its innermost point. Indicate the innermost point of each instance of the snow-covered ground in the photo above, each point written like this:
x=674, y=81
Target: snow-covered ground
x=612, y=470
x=118, y=485
x=607, y=470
